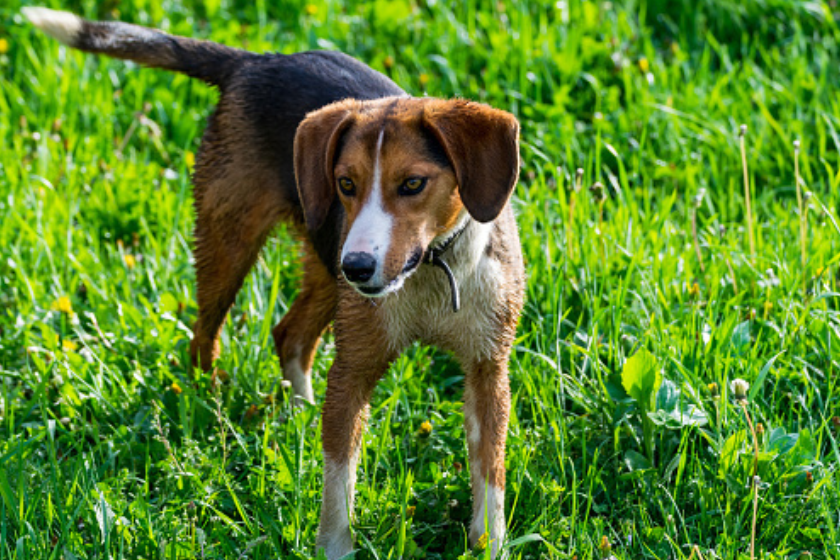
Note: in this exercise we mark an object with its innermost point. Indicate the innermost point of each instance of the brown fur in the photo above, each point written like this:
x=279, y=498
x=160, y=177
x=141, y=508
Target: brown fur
x=360, y=363
x=479, y=143
x=488, y=394
x=315, y=147
x=236, y=207
x=421, y=217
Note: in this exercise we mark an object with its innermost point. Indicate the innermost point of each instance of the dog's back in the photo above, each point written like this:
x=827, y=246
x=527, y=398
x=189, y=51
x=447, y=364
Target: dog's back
x=263, y=100
x=244, y=178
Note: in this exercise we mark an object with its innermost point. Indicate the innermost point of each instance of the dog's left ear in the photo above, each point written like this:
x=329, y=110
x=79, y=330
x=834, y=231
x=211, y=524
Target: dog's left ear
x=482, y=145
x=316, y=142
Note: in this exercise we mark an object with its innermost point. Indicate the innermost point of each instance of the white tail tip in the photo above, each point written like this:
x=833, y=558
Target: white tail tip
x=63, y=26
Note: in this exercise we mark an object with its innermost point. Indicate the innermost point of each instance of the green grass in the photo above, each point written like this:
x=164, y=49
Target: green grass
x=109, y=450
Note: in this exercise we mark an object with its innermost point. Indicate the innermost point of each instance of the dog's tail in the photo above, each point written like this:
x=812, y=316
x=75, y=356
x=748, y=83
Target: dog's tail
x=205, y=60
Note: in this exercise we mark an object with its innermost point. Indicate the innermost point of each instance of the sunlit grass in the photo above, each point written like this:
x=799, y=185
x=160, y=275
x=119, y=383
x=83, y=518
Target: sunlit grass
x=108, y=448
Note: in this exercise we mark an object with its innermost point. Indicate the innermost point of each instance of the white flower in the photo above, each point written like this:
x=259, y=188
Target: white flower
x=740, y=388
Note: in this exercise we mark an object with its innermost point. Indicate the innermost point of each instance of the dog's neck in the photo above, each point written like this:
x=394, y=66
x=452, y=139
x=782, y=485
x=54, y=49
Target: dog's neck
x=422, y=309
x=436, y=256
x=445, y=240
x=463, y=243
x=469, y=240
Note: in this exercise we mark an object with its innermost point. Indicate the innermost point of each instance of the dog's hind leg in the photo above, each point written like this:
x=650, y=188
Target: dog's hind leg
x=296, y=337
x=236, y=209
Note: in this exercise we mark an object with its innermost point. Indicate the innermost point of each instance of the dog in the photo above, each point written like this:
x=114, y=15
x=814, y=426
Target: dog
x=403, y=208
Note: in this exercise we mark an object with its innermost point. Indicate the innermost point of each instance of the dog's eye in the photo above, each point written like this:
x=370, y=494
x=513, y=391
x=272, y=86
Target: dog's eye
x=412, y=185
x=347, y=186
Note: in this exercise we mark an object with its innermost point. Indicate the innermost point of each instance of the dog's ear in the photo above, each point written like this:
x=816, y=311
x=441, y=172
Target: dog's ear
x=316, y=141
x=482, y=145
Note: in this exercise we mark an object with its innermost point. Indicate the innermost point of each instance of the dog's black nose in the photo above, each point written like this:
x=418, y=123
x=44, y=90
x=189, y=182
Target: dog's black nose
x=358, y=267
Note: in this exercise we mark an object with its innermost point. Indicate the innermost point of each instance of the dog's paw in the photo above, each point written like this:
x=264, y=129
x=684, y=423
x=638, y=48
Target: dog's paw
x=335, y=545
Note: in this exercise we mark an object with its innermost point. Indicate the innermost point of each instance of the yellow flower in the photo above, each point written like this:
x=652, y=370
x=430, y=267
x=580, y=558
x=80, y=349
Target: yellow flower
x=409, y=511
x=481, y=544
x=693, y=289
x=64, y=305
x=176, y=388
x=68, y=345
x=424, y=79
x=311, y=9
x=713, y=389
x=130, y=261
x=189, y=159
x=644, y=65
x=425, y=429
x=388, y=62
x=605, y=543
x=4, y=46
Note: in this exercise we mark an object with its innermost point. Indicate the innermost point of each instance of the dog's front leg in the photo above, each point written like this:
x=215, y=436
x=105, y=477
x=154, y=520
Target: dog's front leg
x=360, y=361
x=486, y=412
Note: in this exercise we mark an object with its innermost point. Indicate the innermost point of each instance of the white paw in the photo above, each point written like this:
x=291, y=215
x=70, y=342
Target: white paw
x=336, y=545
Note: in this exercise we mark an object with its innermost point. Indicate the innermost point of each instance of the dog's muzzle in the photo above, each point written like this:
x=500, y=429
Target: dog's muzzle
x=360, y=271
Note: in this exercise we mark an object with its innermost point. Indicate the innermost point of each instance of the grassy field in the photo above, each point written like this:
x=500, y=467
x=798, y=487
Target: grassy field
x=108, y=449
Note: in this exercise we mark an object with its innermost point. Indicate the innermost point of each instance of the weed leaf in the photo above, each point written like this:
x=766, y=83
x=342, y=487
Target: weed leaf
x=762, y=375
x=731, y=450
x=636, y=461
x=641, y=378
x=740, y=339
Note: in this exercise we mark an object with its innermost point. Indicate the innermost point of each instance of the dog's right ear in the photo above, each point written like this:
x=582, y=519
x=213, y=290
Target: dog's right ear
x=316, y=143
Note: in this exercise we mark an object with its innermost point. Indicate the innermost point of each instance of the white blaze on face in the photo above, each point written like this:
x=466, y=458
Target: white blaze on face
x=371, y=231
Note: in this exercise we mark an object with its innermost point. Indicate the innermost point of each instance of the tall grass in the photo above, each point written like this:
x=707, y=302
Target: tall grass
x=108, y=448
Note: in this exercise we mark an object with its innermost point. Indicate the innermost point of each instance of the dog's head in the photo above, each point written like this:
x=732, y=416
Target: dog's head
x=407, y=171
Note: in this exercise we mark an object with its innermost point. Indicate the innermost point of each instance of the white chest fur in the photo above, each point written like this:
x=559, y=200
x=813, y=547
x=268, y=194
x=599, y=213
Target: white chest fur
x=422, y=309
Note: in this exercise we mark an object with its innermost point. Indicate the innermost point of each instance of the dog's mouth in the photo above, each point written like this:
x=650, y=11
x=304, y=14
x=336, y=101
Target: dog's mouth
x=370, y=292
x=381, y=291
x=413, y=261
x=411, y=265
